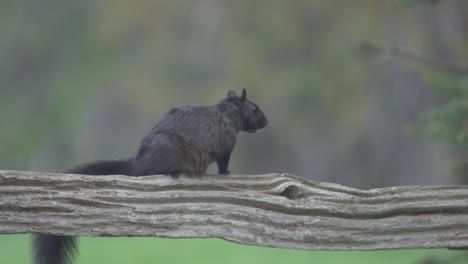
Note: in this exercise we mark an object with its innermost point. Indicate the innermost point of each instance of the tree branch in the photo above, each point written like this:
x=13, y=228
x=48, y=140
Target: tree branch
x=276, y=210
x=376, y=49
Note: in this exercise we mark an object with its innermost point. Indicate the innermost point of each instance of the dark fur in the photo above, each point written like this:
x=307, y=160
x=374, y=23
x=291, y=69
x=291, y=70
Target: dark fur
x=186, y=141
x=49, y=249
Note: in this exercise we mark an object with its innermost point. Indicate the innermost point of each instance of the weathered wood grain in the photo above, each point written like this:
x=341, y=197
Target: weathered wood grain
x=275, y=210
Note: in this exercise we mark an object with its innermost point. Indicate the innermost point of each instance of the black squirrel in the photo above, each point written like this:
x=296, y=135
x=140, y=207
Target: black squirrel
x=185, y=141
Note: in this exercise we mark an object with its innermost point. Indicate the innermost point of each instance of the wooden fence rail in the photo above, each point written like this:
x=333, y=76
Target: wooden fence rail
x=274, y=210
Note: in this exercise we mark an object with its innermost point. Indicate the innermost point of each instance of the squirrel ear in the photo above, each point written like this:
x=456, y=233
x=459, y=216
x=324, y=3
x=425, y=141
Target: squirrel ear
x=244, y=95
x=232, y=93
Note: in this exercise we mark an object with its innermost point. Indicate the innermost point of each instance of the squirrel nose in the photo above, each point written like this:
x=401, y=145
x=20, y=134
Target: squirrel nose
x=264, y=122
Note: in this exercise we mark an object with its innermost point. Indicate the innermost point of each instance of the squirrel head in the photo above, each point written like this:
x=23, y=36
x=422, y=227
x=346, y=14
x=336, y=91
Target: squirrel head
x=252, y=116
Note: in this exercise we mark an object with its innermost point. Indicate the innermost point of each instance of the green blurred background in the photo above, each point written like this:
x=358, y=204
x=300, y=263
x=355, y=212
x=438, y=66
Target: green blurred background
x=363, y=93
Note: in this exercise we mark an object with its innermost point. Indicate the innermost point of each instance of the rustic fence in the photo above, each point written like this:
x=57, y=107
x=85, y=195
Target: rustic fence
x=274, y=210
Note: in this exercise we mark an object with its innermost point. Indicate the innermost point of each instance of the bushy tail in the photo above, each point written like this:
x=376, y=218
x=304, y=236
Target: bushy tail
x=51, y=249
x=104, y=167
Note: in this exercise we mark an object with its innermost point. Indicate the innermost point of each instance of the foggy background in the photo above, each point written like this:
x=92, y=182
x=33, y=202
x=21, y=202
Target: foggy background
x=85, y=80
x=343, y=83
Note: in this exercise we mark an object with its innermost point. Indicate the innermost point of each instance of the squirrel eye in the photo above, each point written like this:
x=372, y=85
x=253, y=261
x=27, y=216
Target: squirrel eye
x=254, y=108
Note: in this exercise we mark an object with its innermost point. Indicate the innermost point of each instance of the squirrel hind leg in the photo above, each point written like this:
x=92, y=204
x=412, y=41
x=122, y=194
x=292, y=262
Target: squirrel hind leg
x=161, y=157
x=156, y=164
x=195, y=165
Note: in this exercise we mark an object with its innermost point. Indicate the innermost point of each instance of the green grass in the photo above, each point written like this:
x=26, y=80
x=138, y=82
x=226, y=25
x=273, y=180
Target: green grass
x=15, y=249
